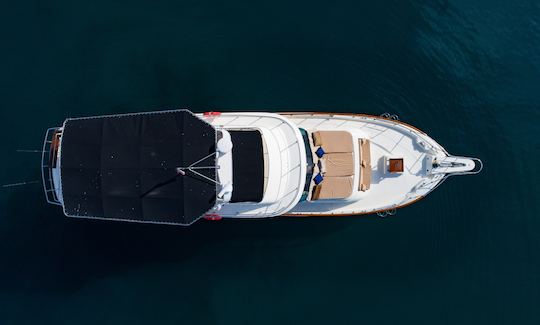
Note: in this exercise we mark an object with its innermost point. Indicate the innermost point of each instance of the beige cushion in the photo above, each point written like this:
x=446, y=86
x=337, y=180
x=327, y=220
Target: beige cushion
x=333, y=141
x=333, y=188
x=338, y=164
x=365, y=165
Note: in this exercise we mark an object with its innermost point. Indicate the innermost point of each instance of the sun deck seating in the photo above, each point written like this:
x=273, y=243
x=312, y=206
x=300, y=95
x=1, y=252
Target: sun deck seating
x=365, y=165
x=333, y=188
x=333, y=141
x=336, y=165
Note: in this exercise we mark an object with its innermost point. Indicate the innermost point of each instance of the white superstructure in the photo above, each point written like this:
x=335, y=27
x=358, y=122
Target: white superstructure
x=284, y=163
x=426, y=163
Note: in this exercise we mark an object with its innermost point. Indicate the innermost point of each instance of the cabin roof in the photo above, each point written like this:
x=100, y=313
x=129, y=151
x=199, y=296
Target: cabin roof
x=124, y=167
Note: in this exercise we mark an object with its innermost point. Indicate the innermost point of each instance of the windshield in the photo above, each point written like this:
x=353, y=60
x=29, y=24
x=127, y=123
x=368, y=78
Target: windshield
x=309, y=164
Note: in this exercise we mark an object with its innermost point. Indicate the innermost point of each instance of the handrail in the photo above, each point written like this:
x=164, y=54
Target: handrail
x=46, y=169
x=472, y=172
x=390, y=120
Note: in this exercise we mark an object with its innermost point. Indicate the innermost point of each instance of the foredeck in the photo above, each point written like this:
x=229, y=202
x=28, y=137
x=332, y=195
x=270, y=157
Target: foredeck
x=389, y=139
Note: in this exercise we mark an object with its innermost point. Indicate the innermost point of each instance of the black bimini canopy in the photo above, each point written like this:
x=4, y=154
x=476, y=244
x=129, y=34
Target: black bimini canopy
x=125, y=167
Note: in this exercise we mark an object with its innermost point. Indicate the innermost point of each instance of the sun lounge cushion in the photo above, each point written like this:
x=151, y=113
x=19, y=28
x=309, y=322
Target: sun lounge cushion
x=338, y=164
x=333, y=141
x=365, y=165
x=333, y=188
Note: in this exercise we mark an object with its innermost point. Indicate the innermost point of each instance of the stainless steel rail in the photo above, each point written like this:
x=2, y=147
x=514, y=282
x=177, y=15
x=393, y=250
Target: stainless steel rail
x=46, y=168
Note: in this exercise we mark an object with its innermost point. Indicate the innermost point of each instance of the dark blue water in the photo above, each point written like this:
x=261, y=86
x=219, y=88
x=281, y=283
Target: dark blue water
x=467, y=72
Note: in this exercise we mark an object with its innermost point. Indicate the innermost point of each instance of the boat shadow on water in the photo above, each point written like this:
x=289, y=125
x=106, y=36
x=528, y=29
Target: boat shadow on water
x=42, y=250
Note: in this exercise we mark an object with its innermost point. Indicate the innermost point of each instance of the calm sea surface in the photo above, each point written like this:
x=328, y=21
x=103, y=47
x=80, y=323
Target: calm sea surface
x=467, y=72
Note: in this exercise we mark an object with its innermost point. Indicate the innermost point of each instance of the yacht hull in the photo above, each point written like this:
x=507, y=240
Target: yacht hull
x=367, y=164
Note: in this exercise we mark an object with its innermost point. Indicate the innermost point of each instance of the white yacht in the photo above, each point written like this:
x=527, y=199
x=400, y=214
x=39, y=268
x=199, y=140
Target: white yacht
x=176, y=167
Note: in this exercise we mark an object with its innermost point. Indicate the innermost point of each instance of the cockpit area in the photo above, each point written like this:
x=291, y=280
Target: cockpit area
x=268, y=164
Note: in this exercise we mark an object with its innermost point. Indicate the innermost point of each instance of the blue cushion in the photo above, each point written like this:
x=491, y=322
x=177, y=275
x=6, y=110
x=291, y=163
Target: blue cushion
x=320, y=152
x=318, y=179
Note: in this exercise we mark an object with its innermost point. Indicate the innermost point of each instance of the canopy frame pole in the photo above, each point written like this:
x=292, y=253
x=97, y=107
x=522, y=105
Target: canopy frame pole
x=192, y=167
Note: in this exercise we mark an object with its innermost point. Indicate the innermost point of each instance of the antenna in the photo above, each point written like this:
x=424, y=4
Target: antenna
x=20, y=184
x=24, y=182
x=24, y=150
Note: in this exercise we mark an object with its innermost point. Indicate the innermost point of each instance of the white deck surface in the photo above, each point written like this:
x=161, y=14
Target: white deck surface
x=389, y=139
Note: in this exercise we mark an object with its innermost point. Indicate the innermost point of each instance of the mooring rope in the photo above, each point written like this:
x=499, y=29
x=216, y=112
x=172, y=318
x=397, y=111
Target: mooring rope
x=20, y=184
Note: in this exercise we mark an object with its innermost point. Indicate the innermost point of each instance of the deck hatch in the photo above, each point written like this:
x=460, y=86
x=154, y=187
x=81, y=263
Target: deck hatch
x=248, y=166
x=124, y=167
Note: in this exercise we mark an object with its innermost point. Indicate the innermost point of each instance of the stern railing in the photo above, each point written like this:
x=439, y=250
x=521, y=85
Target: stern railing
x=48, y=159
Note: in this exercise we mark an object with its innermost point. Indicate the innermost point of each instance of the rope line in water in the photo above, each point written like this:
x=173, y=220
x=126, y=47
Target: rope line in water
x=20, y=184
x=24, y=150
